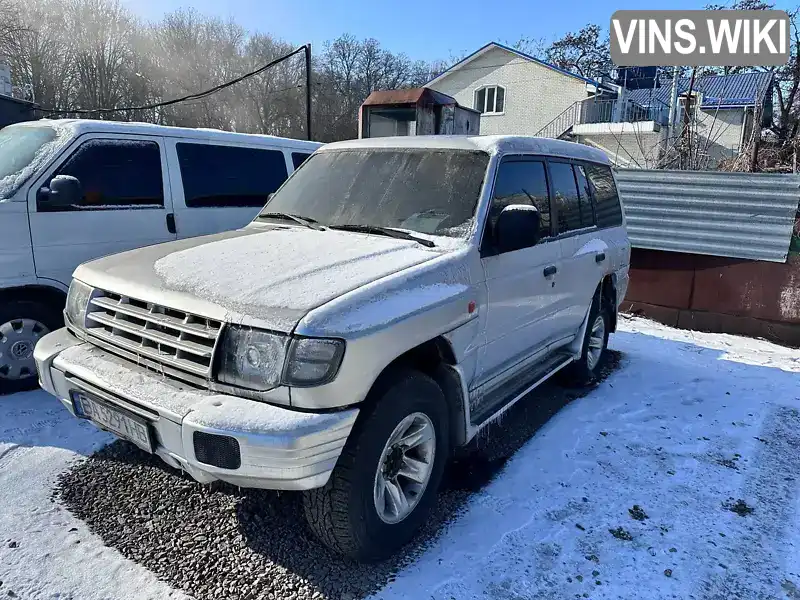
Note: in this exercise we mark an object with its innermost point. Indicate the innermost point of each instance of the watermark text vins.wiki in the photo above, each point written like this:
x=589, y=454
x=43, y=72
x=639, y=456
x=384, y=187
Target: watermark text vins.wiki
x=700, y=37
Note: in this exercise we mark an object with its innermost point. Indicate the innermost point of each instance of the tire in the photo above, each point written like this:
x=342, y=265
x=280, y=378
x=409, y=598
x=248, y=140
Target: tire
x=22, y=323
x=343, y=514
x=586, y=369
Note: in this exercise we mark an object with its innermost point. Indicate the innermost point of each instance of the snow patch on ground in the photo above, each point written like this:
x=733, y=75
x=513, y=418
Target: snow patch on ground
x=689, y=426
x=53, y=553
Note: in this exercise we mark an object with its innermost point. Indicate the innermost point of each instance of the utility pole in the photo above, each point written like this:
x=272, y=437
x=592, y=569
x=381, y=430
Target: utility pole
x=673, y=100
x=308, y=91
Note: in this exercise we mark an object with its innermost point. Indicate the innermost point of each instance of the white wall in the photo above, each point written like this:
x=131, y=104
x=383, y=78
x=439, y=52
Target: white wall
x=534, y=94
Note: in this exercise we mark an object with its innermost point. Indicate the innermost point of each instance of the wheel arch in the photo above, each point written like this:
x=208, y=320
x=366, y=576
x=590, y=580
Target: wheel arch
x=607, y=289
x=47, y=294
x=436, y=359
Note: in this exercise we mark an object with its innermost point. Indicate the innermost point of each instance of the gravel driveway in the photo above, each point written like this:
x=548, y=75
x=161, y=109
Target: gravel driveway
x=221, y=542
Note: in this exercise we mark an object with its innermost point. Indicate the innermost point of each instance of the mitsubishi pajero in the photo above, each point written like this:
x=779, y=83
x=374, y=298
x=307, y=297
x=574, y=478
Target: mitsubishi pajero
x=392, y=298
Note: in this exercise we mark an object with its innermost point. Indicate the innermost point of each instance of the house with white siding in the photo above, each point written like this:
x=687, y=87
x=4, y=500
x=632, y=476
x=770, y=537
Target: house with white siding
x=516, y=93
x=519, y=94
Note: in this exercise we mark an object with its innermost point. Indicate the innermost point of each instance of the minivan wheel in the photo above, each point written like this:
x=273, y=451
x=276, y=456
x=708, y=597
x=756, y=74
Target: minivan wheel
x=594, y=349
x=387, y=477
x=22, y=324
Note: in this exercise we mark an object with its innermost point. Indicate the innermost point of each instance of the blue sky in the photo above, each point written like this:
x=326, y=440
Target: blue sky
x=442, y=30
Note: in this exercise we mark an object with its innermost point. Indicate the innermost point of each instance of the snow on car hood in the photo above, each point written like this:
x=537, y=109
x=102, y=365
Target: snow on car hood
x=265, y=276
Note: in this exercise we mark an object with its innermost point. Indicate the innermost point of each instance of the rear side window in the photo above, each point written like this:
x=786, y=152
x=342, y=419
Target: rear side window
x=298, y=158
x=567, y=199
x=114, y=174
x=606, y=198
x=522, y=182
x=229, y=176
x=585, y=197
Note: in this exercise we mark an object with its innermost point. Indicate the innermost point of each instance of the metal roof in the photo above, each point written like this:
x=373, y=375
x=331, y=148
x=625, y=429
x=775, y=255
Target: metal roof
x=421, y=95
x=737, y=215
x=728, y=91
x=491, y=45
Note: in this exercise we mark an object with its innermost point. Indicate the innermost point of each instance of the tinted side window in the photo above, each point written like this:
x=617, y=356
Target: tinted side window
x=585, y=197
x=606, y=198
x=565, y=197
x=229, y=175
x=298, y=158
x=521, y=182
x=114, y=174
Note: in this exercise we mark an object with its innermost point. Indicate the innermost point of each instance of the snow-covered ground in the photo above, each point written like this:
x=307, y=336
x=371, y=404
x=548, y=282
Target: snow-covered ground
x=689, y=425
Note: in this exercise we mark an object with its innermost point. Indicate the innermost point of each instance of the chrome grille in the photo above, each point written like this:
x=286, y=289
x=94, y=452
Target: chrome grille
x=165, y=335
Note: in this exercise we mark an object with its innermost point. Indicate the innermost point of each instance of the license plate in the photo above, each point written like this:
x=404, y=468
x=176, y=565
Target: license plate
x=120, y=422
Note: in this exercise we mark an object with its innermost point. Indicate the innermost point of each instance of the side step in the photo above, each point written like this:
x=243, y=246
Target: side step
x=506, y=394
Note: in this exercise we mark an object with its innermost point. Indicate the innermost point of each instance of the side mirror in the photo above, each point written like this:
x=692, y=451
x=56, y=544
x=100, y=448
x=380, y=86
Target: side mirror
x=517, y=227
x=64, y=190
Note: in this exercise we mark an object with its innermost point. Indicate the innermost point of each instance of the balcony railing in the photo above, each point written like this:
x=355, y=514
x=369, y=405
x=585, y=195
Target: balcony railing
x=604, y=111
x=613, y=111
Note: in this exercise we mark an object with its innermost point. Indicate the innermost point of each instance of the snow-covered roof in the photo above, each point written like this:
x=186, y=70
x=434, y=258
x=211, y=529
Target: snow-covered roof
x=81, y=126
x=491, y=45
x=493, y=144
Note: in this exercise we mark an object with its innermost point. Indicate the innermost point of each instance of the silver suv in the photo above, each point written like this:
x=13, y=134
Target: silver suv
x=392, y=298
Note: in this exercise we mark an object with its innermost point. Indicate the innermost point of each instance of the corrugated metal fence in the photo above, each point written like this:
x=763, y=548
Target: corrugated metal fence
x=738, y=215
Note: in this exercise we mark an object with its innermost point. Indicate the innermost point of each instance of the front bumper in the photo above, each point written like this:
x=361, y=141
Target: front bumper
x=280, y=448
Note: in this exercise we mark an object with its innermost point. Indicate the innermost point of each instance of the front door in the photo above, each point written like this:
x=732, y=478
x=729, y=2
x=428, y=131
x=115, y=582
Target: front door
x=520, y=284
x=126, y=203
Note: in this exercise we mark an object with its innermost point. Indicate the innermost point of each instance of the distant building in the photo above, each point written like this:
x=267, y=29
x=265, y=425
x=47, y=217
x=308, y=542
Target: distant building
x=417, y=111
x=12, y=110
x=515, y=93
x=626, y=117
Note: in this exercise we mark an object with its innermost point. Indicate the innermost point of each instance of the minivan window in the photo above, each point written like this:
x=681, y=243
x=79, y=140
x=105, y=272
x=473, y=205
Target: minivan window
x=114, y=174
x=606, y=198
x=426, y=191
x=21, y=148
x=566, y=198
x=521, y=182
x=298, y=158
x=229, y=175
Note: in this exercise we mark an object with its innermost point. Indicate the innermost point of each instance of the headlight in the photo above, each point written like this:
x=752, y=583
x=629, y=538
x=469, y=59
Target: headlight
x=77, y=303
x=313, y=361
x=251, y=358
x=260, y=360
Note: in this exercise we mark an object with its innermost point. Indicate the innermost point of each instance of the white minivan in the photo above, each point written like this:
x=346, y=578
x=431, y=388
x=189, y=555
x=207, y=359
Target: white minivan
x=75, y=190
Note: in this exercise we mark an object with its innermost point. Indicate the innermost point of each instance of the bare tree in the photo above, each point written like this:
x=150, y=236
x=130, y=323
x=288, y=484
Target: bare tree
x=94, y=54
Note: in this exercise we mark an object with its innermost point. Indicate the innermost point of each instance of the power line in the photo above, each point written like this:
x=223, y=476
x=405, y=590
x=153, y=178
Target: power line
x=195, y=96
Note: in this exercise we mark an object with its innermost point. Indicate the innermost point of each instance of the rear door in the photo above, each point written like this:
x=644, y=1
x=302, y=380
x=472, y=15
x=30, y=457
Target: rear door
x=583, y=250
x=222, y=186
x=126, y=203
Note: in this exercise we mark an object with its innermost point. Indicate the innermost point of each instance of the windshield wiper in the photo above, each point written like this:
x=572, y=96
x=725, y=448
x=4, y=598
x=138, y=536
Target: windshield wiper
x=305, y=221
x=387, y=231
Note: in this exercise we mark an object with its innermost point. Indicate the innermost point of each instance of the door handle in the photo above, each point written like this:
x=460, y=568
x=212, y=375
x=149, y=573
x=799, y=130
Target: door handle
x=551, y=270
x=171, y=222
x=600, y=257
